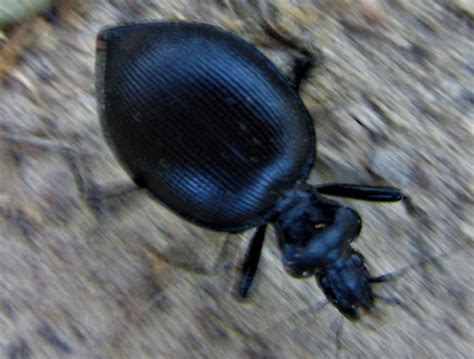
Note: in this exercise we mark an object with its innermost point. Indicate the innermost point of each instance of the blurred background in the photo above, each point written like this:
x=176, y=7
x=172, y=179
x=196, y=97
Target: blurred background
x=393, y=104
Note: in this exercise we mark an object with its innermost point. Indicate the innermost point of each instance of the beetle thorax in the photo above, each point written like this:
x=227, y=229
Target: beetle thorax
x=315, y=233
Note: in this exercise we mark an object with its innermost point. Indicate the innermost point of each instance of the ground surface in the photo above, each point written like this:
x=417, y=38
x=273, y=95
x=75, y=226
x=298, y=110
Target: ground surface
x=393, y=103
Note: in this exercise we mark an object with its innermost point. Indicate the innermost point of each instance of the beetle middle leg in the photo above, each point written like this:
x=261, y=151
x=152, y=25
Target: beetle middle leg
x=98, y=197
x=217, y=267
x=250, y=264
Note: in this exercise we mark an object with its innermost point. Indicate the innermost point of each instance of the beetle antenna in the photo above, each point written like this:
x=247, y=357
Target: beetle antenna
x=388, y=277
x=389, y=300
x=396, y=302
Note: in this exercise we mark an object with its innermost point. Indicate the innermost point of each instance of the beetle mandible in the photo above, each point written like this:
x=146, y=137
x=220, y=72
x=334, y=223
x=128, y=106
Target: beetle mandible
x=204, y=122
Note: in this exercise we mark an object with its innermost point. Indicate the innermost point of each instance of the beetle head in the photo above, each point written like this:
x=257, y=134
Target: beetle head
x=347, y=286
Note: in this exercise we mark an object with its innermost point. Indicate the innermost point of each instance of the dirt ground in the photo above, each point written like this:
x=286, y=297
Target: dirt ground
x=393, y=103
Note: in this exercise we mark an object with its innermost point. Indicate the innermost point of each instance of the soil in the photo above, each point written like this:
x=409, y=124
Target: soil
x=393, y=104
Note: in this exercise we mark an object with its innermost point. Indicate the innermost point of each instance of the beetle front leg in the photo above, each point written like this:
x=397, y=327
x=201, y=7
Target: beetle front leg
x=365, y=193
x=370, y=193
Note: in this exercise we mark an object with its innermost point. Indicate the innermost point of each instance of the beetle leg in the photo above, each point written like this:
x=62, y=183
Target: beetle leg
x=93, y=195
x=251, y=261
x=96, y=196
x=305, y=61
x=366, y=193
x=219, y=267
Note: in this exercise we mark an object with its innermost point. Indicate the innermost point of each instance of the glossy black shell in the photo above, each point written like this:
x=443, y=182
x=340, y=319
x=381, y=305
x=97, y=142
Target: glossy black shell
x=204, y=120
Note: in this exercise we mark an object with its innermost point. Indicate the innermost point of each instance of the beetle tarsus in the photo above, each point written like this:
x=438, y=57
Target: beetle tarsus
x=99, y=197
x=302, y=66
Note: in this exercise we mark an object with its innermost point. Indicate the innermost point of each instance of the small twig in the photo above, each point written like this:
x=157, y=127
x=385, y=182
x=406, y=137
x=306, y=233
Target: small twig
x=42, y=143
x=20, y=38
x=316, y=307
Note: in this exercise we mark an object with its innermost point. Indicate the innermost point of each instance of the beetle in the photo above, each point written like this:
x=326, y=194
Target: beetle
x=203, y=121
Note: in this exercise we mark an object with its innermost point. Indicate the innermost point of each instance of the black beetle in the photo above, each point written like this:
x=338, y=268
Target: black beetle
x=212, y=129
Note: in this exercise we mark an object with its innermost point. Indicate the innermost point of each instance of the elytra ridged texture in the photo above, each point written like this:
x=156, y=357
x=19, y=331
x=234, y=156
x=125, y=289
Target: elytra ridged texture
x=204, y=119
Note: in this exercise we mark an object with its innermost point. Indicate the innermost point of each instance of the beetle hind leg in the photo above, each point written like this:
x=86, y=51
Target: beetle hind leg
x=304, y=61
x=98, y=198
x=101, y=199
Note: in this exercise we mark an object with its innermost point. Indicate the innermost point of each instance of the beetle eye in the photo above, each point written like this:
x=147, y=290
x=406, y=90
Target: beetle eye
x=358, y=260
